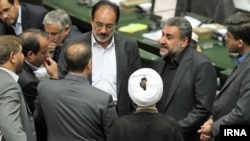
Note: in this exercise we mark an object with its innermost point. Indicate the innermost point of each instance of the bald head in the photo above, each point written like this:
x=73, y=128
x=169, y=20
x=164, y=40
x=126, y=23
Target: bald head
x=77, y=56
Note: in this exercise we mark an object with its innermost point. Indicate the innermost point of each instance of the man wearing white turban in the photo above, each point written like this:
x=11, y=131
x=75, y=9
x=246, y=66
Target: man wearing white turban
x=145, y=88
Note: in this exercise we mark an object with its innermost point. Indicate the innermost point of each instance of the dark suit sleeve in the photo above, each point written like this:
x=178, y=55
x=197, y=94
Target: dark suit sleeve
x=114, y=133
x=41, y=127
x=30, y=94
x=38, y=113
x=205, y=89
x=109, y=116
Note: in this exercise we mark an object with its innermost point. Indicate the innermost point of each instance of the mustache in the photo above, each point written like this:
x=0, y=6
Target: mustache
x=163, y=46
x=103, y=34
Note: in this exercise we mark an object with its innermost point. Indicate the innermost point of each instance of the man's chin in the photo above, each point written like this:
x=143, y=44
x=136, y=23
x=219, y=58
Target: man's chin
x=9, y=22
x=102, y=40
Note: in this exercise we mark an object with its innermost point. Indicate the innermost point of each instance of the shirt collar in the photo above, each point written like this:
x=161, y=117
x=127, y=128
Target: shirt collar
x=241, y=58
x=11, y=73
x=33, y=68
x=19, y=18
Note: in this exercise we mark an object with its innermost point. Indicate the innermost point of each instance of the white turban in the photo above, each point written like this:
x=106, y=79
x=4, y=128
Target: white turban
x=154, y=87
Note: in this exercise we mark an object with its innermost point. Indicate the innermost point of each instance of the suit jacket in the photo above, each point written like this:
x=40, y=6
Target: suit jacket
x=231, y=105
x=74, y=110
x=16, y=123
x=28, y=82
x=191, y=93
x=128, y=60
x=32, y=17
x=146, y=126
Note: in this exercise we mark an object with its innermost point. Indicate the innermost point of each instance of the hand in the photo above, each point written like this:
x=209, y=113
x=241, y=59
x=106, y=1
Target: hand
x=206, y=131
x=204, y=137
x=51, y=67
x=51, y=47
x=208, y=122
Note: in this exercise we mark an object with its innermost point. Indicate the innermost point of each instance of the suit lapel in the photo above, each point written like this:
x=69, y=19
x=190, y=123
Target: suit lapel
x=235, y=73
x=25, y=18
x=119, y=57
x=161, y=65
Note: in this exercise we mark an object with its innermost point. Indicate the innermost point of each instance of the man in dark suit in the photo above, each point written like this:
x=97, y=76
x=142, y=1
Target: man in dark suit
x=35, y=49
x=17, y=17
x=58, y=25
x=72, y=108
x=115, y=57
x=189, y=78
x=16, y=122
x=231, y=105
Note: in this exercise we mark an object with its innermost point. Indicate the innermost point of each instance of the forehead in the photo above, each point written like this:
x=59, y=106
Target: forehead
x=171, y=30
x=4, y=4
x=105, y=14
x=43, y=41
x=51, y=27
x=229, y=34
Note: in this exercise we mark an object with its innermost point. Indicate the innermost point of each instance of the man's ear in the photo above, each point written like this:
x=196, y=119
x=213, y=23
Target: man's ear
x=29, y=55
x=67, y=29
x=12, y=57
x=240, y=43
x=89, y=66
x=184, y=42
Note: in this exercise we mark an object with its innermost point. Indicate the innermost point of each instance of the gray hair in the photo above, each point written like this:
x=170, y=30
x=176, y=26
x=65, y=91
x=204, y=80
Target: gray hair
x=183, y=25
x=58, y=16
x=8, y=44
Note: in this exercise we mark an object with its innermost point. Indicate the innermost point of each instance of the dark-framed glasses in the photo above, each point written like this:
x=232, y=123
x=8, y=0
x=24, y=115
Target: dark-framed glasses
x=107, y=26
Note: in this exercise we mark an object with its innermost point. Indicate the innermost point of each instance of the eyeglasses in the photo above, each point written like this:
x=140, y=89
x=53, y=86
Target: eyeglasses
x=6, y=11
x=107, y=26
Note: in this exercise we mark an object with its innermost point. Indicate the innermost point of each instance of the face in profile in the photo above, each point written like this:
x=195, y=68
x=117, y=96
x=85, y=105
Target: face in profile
x=43, y=53
x=9, y=12
x=170, y=43
x=231, y=43
x=56, y=35
x=103, y=24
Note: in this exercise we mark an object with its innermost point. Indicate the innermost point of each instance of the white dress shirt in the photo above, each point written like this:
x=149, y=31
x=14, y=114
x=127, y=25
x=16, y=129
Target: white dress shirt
x=104, y=71
x=18, y=26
